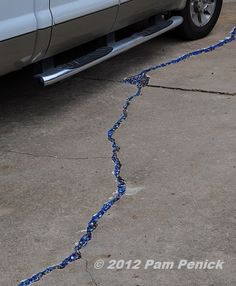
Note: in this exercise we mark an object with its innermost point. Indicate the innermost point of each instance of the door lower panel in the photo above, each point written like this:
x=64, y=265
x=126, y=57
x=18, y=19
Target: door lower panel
x=133, y=11
x=20, y=51
x=16, y=52
x=72, y=33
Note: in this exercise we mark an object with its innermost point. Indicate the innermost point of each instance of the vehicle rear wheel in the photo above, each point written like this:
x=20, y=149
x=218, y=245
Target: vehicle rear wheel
x=200, y=17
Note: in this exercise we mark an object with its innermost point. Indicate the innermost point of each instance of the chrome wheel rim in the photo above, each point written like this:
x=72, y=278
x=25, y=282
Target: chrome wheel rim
x=201, y=11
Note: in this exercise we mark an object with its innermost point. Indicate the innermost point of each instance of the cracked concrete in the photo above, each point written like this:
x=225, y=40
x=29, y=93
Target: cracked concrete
x=192, y=90
x=178, y=147
x=170, y=87
x=90, y=274
x=55, y=156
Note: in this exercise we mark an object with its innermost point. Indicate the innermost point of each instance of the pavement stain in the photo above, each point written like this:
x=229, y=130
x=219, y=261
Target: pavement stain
x=131, y=191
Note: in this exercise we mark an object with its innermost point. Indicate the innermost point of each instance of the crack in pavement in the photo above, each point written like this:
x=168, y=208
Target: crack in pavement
x=55, y=157
x=192, y=89
x=170, y=87
x=87, y=270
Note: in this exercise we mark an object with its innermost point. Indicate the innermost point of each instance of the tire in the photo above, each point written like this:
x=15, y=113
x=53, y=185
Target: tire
x=194, y=26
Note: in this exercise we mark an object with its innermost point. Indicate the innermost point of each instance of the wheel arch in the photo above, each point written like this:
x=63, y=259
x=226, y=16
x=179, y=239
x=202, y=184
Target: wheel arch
x=182, y=4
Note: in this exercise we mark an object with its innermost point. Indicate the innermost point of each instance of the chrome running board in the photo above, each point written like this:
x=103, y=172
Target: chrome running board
x=67, y=70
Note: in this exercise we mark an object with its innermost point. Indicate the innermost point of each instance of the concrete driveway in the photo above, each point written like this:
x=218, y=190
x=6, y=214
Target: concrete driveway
x=178, y=150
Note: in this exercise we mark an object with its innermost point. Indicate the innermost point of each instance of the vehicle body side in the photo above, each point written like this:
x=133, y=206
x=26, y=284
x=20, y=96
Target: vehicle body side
x=32, y=30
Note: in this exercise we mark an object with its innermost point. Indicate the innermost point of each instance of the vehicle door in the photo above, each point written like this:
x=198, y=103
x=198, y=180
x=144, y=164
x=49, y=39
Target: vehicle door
x=20, y=40
x=79, y=21
x=132, y=11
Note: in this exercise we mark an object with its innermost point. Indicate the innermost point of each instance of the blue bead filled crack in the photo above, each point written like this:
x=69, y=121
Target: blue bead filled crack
x=140, y=81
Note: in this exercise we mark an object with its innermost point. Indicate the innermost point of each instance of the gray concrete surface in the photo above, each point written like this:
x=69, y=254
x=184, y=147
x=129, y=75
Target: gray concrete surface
x=179, y=155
